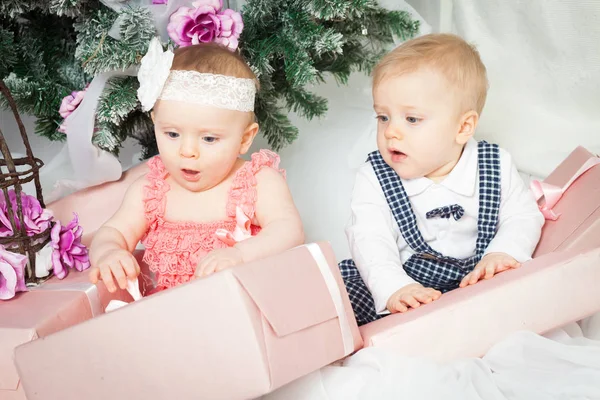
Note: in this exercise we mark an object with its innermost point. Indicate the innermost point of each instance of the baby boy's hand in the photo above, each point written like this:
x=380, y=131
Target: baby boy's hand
x=411, y=296
x=218, y=260
x=490, y=265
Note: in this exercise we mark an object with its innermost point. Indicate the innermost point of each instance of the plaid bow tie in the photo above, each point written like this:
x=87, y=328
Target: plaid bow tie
x=454, y=210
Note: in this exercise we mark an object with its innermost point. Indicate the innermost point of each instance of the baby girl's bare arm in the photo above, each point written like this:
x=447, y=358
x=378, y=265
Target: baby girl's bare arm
x=126, y=227
x=111, y=247
x=277, y=215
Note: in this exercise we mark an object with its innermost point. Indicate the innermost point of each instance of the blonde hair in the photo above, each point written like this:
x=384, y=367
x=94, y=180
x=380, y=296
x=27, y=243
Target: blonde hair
x=213, y=58
x=450, y=55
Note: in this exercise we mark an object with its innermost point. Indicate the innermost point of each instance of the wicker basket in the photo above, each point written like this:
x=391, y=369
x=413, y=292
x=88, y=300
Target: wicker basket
x=10, y=179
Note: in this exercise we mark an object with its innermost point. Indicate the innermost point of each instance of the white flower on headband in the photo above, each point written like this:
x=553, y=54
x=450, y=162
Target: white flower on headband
x=153, y=73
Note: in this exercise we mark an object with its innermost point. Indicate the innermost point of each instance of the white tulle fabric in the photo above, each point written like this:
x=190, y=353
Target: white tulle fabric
x=563, y=364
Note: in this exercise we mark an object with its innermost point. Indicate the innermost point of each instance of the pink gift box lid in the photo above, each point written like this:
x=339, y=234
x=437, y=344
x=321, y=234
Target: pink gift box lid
x=236, y=334
x=54, y=306
x=467, y=322
x=578, y=206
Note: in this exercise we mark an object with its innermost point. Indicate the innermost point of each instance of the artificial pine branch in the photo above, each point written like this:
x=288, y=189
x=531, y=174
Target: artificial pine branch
x=14, y=8
x=137, y=29
x=306, y=104
x=8, y=50
x=47, y=127
x=274, y=123
x=139, y=126
x=53, y=47
x=39, y=98
x=68, y=8
x=117, y=100
x=326, y=9
x=295, y=43
x=99, y=52
x=107, y=137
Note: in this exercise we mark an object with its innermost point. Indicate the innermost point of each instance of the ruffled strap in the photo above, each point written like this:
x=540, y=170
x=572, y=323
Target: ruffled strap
x=155, y=189
x=243, y=192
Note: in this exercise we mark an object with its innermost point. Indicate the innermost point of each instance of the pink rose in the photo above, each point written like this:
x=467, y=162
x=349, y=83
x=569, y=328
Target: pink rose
x=231, y=28
x=12, y=273
x=35, y=218
x=68, y=105
x=68, y=251
x=189, y=26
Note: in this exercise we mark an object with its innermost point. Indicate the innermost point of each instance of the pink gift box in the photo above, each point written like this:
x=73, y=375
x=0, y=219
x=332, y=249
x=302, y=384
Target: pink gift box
x=237, y=334
x=467, y=322
x=54, y=306
x=578, y=207
x=546, y=292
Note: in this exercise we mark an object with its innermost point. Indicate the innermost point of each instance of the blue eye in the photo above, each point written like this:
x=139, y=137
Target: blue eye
x=172, y=135
x=382, y=118
x=209, y=139
x=412, y=120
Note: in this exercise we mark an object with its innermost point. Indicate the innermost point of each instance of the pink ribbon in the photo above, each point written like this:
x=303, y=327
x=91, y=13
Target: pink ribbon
x=552, y=193
x=241, y=231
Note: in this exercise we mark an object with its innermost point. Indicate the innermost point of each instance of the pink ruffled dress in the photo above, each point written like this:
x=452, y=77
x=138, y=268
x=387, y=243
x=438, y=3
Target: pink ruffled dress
x=173, y=249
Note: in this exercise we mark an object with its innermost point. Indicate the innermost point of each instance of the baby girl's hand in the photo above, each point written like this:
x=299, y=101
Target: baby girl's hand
x=490, y=265
x=412, y=296
x=218, y=260
x=117, y=263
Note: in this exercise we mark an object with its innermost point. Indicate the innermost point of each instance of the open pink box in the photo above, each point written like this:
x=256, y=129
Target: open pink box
x=54, y=306
x=560, y=285
x=95, y=205
x=237, y=334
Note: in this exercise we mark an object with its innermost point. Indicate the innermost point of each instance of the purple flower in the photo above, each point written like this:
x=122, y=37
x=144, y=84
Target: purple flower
x=201, y=24
x=68, y=105
x=231, y=28
x=36, y=219
x=67, y=249
x=12, y=273
x=159, y=1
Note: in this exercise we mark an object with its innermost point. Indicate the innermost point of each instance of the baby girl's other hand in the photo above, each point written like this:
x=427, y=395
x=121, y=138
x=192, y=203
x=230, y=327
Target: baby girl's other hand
x=411, y=296
x=490, y=265
x=119, y=264
x=218, y=260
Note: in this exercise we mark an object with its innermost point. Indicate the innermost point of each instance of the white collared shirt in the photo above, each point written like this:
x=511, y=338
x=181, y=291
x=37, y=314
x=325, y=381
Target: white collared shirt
x=378, y=248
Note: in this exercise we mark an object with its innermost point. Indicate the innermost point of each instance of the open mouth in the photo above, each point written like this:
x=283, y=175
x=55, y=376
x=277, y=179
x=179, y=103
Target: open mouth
x=397, y=155
x=190, y=175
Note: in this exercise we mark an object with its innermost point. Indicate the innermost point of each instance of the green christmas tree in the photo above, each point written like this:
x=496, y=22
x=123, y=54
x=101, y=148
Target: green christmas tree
x=52, y=48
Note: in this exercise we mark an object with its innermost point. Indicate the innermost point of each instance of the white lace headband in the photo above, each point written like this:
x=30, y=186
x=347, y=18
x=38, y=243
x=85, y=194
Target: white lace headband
x=157, y=81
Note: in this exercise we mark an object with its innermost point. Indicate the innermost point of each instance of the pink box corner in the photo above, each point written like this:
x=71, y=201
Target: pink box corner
x=56, y=305
x=578, y=223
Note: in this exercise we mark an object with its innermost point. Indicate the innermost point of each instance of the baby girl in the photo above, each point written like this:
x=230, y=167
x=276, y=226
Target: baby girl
x=201, y=208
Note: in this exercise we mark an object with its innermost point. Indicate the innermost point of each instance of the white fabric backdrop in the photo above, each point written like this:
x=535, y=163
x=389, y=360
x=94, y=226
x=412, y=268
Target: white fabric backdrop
x=543, y=63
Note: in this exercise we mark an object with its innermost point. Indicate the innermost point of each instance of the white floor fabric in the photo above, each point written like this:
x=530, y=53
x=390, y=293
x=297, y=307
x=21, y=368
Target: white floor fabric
x=563, y=364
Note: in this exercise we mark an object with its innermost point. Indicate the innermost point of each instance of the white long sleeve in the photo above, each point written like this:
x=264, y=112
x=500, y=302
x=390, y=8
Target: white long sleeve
x=374, y=236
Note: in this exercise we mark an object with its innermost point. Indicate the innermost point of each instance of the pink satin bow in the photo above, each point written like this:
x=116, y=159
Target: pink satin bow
x=552, y=193
x=241, y=231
